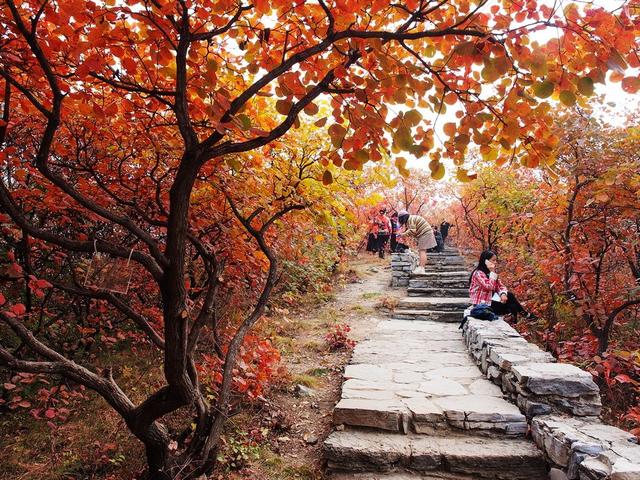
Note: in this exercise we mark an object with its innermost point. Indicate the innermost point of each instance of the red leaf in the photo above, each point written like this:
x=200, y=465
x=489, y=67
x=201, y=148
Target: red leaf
x=50, y=413
x=9, y=386
x=18, y=309
x=622, y=378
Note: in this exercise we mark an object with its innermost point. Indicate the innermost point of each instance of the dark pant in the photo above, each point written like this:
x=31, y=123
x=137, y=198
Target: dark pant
x=382, y=243
x=512, y=306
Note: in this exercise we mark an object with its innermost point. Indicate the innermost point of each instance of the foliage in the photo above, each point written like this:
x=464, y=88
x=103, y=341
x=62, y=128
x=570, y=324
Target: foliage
x=338, y=338
x=569, y=244
x=160, y=136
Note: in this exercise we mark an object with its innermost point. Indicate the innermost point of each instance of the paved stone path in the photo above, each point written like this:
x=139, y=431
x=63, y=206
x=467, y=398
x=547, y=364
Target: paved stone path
x=414, y=404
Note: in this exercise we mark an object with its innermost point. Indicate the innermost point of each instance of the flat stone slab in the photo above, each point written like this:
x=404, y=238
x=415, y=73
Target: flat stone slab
x=440, y=387
x=381, y=414
x=479, y=408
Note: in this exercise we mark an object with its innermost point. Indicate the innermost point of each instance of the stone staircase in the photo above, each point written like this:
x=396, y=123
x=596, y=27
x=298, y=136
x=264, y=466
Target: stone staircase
x=414, y=404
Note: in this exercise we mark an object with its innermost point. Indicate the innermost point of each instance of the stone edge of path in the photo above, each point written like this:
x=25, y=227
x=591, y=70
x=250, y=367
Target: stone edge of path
x=561, y=401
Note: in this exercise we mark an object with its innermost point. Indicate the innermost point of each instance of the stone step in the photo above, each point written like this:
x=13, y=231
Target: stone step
x=437, y=292
x=457, y=304
x=444, y=267
x=428, y=275
x=428, y=315
x=440, y=282
x=357, y=450
x=400, y=475
x=434, y=406
x=450, y=263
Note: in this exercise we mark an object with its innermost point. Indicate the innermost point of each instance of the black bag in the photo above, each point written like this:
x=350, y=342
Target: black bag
x=400, y=248
x=481, y=311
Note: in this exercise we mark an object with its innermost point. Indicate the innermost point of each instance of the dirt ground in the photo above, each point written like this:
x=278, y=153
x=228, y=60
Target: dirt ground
x=291, y=422
x=360, y=302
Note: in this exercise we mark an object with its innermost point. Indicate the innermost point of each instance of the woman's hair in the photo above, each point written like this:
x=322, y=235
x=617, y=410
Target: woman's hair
x=482, y=263
x=403, y=217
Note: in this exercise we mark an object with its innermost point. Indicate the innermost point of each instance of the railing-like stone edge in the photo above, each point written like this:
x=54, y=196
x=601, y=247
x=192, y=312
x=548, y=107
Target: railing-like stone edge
x=402, y=264
x=561, y=402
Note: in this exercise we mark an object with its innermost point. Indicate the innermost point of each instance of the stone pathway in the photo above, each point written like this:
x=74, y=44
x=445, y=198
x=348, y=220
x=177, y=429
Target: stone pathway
x=414, y=404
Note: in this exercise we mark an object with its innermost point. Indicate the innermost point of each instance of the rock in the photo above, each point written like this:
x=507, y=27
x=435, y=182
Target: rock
x=302, y=391
x=625, y=470
x=384, y=415
x=555, y=474
x=441, y=387
x=555, y=379
x=480, y=408
x=594, y=469
x=310, y=439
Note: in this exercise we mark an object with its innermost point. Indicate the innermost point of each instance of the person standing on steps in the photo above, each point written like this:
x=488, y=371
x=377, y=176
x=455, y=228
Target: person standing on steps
x=486, y=288
x=395, y=227
x=444, y=231
x=421, y=231
x=383, y=226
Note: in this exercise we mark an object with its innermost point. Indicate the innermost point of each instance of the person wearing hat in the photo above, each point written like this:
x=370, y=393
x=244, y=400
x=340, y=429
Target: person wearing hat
x=418, y=228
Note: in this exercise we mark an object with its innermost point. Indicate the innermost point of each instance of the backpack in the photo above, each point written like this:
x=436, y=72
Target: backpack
x=481, y=312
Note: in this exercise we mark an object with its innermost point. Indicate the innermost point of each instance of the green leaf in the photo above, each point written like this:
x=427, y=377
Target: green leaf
x=245, y=121
x=403, y=138
x=568, y=98
x=412, y=118
x=585, y=86
x=543, y=89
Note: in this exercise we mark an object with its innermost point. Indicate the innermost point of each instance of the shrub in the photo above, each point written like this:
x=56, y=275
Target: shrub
x=338, y=339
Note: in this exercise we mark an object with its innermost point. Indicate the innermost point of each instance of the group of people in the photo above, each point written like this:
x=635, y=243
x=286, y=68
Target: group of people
x=385, y=232
x=485, y=286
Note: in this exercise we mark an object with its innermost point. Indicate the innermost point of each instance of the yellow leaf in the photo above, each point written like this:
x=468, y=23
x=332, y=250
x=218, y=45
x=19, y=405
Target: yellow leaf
x=438, y=173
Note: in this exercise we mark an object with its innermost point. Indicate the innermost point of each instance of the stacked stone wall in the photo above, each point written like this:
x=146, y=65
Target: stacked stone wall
x=402, y=264
x=561, y=401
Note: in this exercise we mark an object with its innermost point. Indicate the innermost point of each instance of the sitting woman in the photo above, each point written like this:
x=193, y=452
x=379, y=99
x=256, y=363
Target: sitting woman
x=485, y=287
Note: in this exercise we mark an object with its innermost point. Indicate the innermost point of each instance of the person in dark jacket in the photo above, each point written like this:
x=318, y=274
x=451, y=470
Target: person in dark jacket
x=444, y=231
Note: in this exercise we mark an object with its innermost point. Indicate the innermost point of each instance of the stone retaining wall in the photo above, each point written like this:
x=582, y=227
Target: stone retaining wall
x=561, y=401
x=402, y=264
